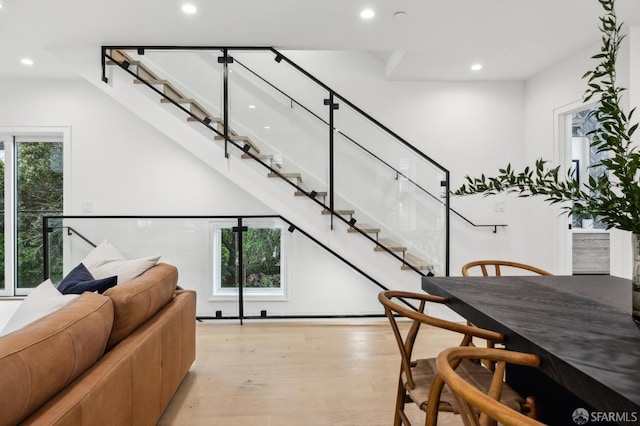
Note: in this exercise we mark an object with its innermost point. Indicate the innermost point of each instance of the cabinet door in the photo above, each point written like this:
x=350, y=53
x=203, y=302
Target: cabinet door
x=590, y=253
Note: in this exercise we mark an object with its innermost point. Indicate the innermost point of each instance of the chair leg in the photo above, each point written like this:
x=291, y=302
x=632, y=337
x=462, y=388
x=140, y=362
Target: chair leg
x=531, y=407
x=400, y=399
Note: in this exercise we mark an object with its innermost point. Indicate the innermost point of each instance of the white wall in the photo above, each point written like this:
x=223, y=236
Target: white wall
x=119, y=164
x=557, y=90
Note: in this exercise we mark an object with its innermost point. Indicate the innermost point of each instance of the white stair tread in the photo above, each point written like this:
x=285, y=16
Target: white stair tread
x=110, y=62
x=178, y=101
x=237, y=138
x=389, y=244
x=345, y=212
x=259, y=157
x=416, y=262
x=213, y=119
x=286, y=175
x=151, y=81
x=369, y=229
x=318, y=193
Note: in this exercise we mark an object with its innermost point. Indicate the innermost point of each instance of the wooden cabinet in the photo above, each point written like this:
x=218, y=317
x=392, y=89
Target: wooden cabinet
x=590, y=253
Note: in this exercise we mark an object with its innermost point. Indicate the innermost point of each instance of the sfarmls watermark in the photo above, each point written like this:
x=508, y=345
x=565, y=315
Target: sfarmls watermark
x=582, y=416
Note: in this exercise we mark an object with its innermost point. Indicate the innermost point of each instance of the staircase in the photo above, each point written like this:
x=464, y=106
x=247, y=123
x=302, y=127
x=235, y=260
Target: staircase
x=199, y=115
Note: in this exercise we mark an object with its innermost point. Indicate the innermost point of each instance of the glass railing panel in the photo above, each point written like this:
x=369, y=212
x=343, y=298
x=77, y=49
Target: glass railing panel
x=55, y=240
x=390, y=187
x=205, y=250
x=287, y=123
x=272, y=107
x=279, y=113
x=183, y=242
x=193, y=77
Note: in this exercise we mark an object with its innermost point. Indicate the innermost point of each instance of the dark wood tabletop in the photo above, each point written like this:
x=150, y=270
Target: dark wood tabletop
x=580, y=326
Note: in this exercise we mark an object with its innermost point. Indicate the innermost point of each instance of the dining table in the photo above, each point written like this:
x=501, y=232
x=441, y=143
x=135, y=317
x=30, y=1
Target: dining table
x=581, y=328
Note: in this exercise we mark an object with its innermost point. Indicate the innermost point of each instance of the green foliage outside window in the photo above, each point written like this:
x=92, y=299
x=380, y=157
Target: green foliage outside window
x=261, y=258
x=39, y=193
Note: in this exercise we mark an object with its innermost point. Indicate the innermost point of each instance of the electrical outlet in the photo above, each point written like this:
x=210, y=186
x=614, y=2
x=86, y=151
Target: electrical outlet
x=87, y=207
x=498, y=206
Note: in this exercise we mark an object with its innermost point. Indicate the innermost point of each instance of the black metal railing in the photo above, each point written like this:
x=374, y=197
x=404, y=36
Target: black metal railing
x=246, y=150
x=377, y=158
x=48, y=227
x=331, y=102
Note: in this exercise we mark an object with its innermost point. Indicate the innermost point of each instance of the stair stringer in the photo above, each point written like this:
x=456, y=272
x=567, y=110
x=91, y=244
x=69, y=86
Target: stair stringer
x=275, y=193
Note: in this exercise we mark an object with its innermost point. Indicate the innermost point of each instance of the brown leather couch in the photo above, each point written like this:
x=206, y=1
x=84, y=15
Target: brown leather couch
x=111, y=359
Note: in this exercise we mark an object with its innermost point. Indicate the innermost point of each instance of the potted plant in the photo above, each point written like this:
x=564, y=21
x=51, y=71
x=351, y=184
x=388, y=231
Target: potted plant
x=613, y=194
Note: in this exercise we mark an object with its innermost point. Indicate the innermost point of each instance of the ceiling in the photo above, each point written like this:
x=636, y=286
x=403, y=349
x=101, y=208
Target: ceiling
x=435, y=40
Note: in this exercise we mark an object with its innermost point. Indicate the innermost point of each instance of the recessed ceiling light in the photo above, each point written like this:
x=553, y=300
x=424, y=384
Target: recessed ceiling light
x=367, y=14
x=252, y=107
x=267, y=127
x=26, y=61
x=476, y=67
x=189, y=9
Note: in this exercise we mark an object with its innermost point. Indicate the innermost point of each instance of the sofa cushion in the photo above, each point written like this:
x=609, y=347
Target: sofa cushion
x=39, y=360
x=41, y=301
x=105, y=261
x=125, y=269
x=80, y=280
x=138, y=300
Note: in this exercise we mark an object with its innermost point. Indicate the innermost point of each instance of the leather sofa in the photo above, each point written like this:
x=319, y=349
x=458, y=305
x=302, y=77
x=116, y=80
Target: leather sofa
x=114, y=358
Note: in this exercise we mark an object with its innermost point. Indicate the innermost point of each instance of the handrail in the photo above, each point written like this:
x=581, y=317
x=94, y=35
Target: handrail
x=349, y=138
x=73, y=231
x=271, y=169
x=357, y=109
x=280, y=56
x=332, y=95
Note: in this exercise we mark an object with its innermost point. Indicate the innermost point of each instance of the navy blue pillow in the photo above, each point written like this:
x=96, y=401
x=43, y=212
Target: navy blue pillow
x=80, y=280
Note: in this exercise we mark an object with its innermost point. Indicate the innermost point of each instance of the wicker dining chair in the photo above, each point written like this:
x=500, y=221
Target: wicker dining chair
x=500, y=403
x=417, y=381
x=497, y=265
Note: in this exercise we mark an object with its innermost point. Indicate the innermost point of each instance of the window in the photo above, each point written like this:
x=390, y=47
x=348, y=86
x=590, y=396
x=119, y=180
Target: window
x=262, y=259
x=32, y=183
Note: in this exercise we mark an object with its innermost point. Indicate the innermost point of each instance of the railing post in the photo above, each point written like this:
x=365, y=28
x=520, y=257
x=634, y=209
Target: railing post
x=332, y=106
x=104, y=63
x=45, y=248
x=225, y=60
x=239, y=230
x=447, y=219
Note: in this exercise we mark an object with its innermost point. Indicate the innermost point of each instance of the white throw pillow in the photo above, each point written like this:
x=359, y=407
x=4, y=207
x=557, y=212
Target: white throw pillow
x=101, y=254
x=42, y=301
x=105, y=261
x=125, y=270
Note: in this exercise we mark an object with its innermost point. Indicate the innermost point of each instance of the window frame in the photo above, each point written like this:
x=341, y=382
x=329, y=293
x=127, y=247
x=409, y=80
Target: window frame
x=11, y=136
x=249, y=293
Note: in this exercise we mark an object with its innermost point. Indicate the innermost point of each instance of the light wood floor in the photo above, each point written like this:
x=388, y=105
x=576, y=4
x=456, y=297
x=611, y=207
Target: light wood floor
x=293, y=373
